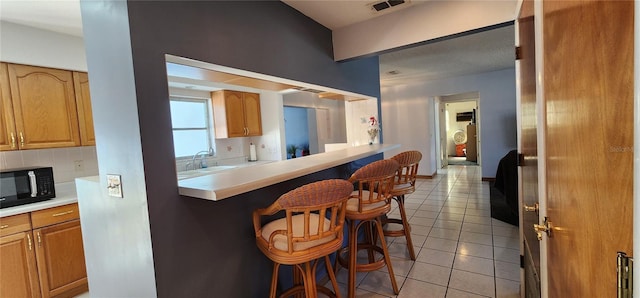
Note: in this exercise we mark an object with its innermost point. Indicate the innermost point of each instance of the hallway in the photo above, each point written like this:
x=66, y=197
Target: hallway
x=461, y=251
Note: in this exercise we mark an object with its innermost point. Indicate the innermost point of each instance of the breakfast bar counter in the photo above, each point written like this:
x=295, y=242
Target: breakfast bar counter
x=229, y=183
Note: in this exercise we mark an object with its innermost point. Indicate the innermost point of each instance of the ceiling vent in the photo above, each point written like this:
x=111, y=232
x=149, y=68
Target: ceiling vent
x=386, y=4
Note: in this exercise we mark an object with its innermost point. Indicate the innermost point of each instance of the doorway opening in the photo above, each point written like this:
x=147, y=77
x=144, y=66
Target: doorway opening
x=300, y=131
x=457, y=126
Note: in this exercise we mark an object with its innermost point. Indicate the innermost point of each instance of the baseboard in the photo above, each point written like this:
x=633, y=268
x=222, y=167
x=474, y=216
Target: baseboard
x=427, y=176
x=489, y=179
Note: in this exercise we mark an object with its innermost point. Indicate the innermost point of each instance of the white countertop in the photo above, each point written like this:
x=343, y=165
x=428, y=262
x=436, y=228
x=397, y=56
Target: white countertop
x=233, y=182
x=65, y=194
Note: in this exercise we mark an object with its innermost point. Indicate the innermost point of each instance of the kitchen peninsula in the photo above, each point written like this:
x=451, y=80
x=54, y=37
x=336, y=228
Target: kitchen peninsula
x=230, y=183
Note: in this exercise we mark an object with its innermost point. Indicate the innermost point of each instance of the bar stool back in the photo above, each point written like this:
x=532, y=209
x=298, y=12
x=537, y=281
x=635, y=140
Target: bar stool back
x=369, y=202
x=405, y=184
x=312, y=229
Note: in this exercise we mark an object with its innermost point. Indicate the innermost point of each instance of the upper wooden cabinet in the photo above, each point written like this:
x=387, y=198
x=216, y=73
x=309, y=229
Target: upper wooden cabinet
x=44, y=108
x=8, y=135
x=236, y=114
x=83, y=101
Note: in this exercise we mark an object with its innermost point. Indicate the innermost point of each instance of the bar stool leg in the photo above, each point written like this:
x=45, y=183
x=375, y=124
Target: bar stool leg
x=387, y=259
x=332, y=276
x=353, y=255
x=274, y=280
x=405, y=227
x=309, y=280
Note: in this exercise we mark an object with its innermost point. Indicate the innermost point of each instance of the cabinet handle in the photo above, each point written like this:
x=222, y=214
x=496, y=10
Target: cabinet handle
x=39, y=240
x=21, y=139
x=247, y=131
x=29, y=241
x=4, y=226
x=63, y=213
x=13, y=140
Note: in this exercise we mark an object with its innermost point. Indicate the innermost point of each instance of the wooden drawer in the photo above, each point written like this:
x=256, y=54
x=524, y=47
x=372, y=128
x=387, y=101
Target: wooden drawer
x=54, y=215
x=14, y=224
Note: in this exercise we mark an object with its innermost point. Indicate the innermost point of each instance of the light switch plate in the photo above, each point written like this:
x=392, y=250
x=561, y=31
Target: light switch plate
x=114, y=185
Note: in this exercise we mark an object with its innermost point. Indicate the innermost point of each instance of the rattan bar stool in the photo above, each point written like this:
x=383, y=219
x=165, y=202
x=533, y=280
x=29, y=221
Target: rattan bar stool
x=369, y=202
x=405, y=183
x=311, y=230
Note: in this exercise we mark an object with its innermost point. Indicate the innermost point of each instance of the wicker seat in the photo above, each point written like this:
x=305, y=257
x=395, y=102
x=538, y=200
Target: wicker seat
x=369, y=202
x=311, y=230
x=405, y=184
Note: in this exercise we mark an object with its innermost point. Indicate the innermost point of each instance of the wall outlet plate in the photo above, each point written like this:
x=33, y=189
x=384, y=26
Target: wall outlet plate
x=114, y=185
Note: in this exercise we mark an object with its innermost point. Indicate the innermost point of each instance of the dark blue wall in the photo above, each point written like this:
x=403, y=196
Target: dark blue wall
x=203, y=248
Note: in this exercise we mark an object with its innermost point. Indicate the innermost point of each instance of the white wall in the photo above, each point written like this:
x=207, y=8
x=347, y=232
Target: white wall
x=27, y=45
x=415, y=24
x=357, y=114
x=408, y=116
x=61, y=159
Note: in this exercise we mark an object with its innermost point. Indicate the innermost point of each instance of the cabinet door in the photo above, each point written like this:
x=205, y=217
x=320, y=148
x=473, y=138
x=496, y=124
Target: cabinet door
x=235, y=114
x=8, y=136
x=253, y=119
x=60, y=255
x=18, y=273
x=83, y=102
x=44, y=107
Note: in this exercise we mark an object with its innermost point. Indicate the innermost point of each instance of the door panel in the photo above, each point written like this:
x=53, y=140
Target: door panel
x=44, y=107
x=588, y=91
x=61, y=260
x=529, y=148
x=83, y=102
x=18, y=273
x=8, y=135
x=252, y=113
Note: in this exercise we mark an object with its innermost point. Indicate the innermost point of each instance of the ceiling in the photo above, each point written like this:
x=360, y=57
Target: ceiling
x=469, y=54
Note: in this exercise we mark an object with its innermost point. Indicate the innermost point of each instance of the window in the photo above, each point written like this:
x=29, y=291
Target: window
x=191, y=126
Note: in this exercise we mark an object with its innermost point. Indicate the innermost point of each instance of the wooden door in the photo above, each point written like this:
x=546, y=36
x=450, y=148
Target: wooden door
x=18, y=272
x=8, y=135
x=588, y=93
x=529, y=149
x=44, y=107
x=472, y=141
x=253, y=119
x=61, y=263
x=83, y=103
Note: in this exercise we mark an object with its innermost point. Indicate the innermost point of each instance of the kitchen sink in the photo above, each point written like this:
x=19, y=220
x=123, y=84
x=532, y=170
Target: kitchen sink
x=202, y=172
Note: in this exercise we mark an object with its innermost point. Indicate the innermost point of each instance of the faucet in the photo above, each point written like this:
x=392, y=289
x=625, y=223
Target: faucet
x=203, y=162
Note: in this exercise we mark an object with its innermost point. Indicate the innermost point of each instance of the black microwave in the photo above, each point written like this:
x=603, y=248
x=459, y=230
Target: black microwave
x=26, y=185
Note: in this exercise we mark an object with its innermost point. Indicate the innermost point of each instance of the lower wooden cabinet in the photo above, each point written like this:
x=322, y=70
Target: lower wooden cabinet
x=47, y=261
x=60, y=256
x=18, y=271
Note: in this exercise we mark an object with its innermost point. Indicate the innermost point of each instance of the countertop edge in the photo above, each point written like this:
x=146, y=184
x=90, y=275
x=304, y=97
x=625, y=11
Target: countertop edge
x=316, y=163
x=65, y=194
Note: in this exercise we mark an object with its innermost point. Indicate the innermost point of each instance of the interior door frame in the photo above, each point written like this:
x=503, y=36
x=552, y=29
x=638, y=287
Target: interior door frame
x=440, y=123
x=441, y=133
x=636, y=141
x=542, y=154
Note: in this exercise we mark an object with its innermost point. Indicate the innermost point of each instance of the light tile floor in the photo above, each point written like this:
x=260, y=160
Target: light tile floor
x=460, y=250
